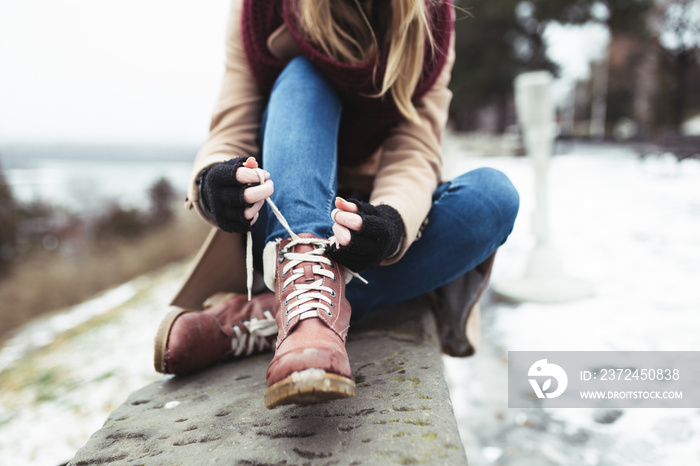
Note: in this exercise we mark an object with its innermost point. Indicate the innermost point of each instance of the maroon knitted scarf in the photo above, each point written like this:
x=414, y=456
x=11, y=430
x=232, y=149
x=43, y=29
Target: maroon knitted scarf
x=365, y=121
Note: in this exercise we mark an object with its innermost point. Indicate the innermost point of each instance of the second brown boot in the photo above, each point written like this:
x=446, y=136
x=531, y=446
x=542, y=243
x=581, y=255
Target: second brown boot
x=232, y=326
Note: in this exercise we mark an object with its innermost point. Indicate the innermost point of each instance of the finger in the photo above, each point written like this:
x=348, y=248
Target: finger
x=250, y=175
x=255, y=219
x=342, y=234
x=258, y=193
x=251, y=163
x=250, y=212
x=348, y=220
x=342, y=204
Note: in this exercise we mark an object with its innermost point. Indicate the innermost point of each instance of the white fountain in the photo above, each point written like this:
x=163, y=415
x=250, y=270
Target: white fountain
x=544, y=279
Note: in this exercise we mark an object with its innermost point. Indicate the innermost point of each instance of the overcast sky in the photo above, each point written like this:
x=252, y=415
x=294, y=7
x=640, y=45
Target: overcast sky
x=97, y=70
x=573, y=47
x=131, y=70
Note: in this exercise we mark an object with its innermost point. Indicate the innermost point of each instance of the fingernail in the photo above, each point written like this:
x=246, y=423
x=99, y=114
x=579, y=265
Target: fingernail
x=338, y=197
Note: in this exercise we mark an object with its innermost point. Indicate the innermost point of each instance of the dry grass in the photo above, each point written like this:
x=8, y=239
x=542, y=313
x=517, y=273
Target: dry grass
x=49, y=281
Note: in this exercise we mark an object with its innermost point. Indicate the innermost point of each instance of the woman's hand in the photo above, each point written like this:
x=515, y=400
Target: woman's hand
x=364, y=234
x=249, y=173
x=231, y=193
x=345, y=219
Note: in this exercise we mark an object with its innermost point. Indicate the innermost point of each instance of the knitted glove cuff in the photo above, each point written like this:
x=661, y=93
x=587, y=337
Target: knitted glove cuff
x=380, y=237
x=222, y=196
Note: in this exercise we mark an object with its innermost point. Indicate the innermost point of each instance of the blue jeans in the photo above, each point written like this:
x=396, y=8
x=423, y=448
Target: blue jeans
x=471, y=216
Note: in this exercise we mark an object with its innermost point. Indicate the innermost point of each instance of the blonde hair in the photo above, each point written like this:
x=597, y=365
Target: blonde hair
x=342, y=30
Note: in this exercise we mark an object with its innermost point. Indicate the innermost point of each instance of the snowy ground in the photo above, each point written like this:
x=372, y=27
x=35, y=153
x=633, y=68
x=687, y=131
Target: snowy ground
x=629, y=227
x=632, y=229
x=55, y=397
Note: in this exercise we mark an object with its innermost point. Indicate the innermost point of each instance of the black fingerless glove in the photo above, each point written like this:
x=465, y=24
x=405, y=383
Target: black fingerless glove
x=380, y=236
x=222, y=196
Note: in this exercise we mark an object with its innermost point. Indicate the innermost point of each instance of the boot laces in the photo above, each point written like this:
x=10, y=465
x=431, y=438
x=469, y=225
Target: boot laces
x=315, y=255
x=310, y=297
x=258, y=331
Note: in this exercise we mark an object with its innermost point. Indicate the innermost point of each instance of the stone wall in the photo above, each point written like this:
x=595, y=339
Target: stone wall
x=401, y=413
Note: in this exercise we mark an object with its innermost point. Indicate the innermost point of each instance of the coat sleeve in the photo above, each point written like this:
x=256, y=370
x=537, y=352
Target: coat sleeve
x=236, y=118
x=410, y=166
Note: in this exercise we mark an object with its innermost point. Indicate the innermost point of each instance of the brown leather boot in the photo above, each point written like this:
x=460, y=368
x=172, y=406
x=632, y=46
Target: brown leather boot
x=230, y=326
x=313, y=315
x=457, y=311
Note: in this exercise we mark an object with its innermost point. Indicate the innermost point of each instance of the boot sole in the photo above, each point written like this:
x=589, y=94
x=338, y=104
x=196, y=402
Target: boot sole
x=162, y=335
x=308, y=387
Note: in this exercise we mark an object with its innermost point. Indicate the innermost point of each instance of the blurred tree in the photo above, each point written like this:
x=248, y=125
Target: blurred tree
x=120, y=222
x=45, y=226
x=130, y=223
x=677, y=23
x=625, y=16
x=8, y=225
x=496, y=41
x=634, y=64
x=162, y=195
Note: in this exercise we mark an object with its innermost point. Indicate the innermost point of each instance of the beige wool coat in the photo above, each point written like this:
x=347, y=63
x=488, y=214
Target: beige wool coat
x=403, y=173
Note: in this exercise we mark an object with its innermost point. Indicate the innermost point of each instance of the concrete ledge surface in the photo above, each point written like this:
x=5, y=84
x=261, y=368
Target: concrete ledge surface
x=401, y=413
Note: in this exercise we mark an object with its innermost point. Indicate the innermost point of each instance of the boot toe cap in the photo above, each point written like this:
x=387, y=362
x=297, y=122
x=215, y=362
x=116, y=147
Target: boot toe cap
x=326, y=359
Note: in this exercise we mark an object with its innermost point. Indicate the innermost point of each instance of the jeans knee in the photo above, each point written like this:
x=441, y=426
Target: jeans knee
x=488, y=195
x=501, y=192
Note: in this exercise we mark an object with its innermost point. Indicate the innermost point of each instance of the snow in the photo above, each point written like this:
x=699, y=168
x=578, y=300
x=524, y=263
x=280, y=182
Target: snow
x=628, y=226
x=79, y=379
x=43, y=331
x=631, y=227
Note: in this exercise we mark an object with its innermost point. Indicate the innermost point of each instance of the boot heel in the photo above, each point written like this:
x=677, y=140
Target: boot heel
x=162, y=335
x=308, y=387
x=473, y=327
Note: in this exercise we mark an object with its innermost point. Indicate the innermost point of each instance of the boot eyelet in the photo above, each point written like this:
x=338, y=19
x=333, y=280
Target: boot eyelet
x=284, y=274
x=332, y=304
x=335, y=279
x=329, y=314
x=333, y=294
x=286, y=301
x=286, y=312
x=287, y=324
x=332, y=265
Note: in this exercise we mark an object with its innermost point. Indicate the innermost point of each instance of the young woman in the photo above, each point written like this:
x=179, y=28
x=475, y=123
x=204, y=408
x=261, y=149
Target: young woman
x=343, y=104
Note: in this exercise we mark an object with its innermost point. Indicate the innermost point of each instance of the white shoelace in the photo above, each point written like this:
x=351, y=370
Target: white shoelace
x=310, y=297
x=258, y=331
x=303, y=292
